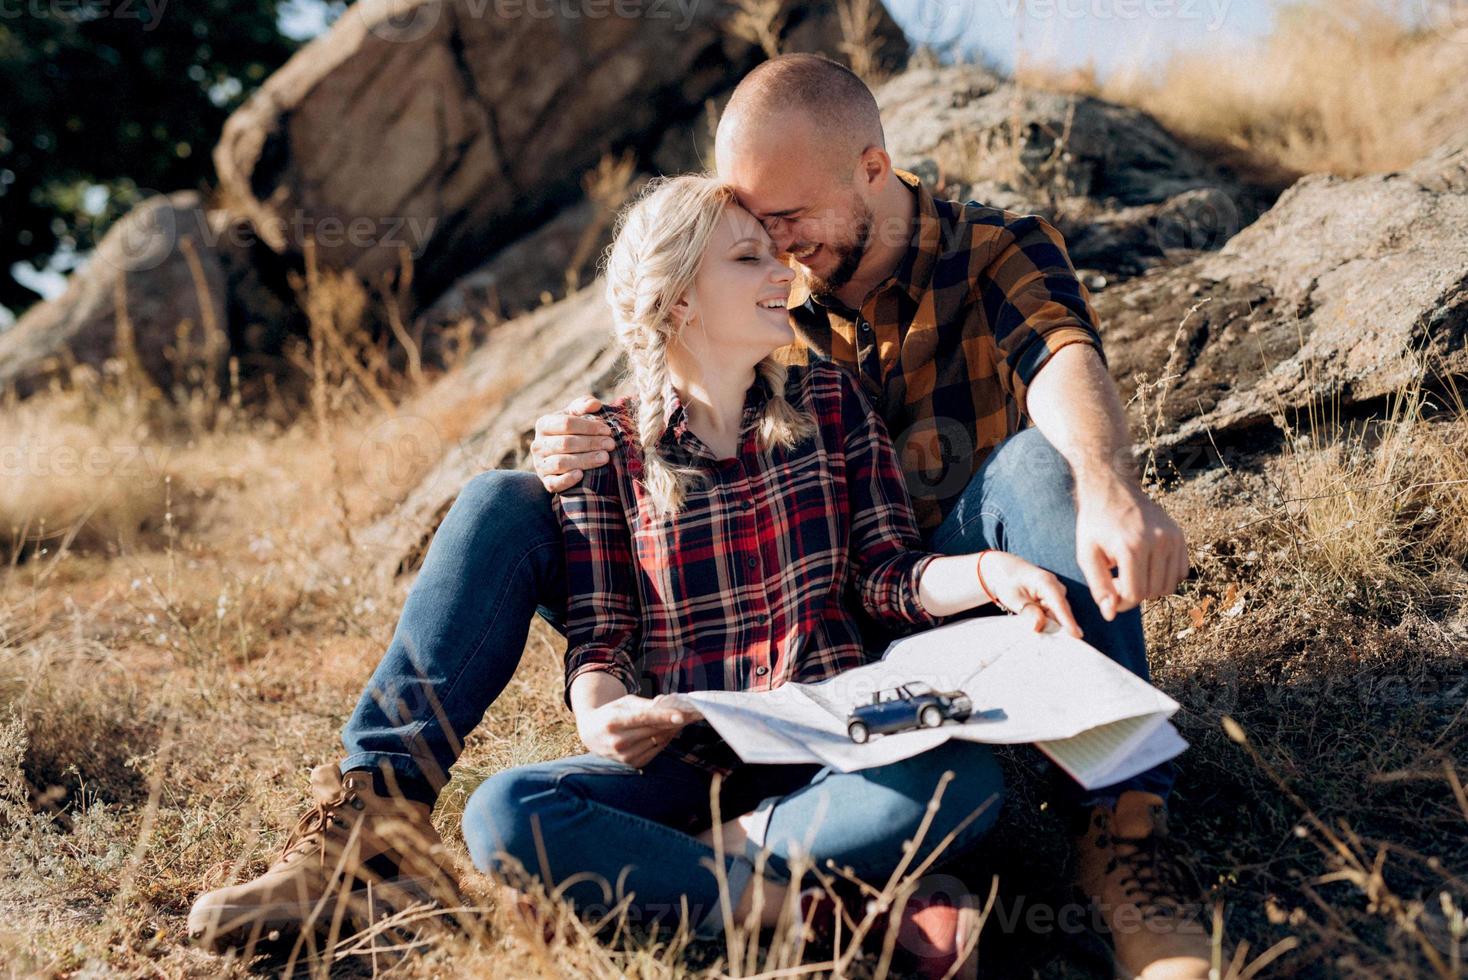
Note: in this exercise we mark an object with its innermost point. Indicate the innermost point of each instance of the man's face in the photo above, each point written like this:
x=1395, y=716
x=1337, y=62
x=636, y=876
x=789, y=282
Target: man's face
x=810, y=206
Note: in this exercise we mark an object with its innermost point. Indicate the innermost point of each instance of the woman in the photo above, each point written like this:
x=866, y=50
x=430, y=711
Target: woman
x=746, y=512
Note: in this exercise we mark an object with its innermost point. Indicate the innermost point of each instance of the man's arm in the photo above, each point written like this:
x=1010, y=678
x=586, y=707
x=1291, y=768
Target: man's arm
x=568, y=443
x=1074, y=403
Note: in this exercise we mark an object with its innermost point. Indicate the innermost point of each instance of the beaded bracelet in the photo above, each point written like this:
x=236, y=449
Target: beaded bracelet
x=979, y=567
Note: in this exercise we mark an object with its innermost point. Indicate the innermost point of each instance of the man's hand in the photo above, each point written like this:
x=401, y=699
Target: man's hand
x=631, y=729
x=1119, y=527
x=567, y=443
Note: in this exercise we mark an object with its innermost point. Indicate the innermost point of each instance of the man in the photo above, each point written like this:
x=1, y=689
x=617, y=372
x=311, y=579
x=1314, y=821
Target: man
x=960, y=321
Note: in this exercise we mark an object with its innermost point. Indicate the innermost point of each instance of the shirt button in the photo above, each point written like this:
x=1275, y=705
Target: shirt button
x=762, y=618
x=762, y=670
x=753, y=562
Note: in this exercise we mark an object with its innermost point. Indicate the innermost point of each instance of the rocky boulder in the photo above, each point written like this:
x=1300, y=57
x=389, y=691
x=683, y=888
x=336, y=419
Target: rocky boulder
x=531, y=365
x=161, y=263
x=1342, y=291
x=1126, y=195
x=450, y=128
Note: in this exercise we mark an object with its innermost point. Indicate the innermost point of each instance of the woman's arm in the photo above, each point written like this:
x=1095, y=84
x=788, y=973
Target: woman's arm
x=898, y=582
x=603, y=621
x=603, y=625
x=884, y=547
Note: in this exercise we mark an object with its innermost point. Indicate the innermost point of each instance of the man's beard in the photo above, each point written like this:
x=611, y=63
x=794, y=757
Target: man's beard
x=848, y=256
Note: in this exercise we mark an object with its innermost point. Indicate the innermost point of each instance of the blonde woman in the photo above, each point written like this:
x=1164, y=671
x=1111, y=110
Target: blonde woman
x=746, y=512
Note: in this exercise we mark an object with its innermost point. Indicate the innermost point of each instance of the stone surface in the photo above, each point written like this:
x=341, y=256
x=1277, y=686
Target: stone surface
x=1123, y=192
x=1341, y=291
x=452, y=128
x=540, y=361
x=164, y=257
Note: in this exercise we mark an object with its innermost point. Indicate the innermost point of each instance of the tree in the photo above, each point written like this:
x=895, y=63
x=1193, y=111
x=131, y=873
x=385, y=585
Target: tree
x=107, y=100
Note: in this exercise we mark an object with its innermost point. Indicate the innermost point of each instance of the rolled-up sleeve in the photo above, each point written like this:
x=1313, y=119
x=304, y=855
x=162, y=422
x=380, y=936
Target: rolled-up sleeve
x=602, y=612
x=1036, y=301
x=884, y=548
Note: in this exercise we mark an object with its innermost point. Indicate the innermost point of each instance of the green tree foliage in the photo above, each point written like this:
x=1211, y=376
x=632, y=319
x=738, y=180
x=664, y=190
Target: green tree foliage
x=105, y=101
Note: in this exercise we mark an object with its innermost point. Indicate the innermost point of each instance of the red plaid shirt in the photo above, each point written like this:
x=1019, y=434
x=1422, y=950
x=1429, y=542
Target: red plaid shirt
x=753, y=582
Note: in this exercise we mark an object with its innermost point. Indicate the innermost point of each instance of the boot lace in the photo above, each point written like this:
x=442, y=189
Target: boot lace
x=316, y=824
x=1158, y=874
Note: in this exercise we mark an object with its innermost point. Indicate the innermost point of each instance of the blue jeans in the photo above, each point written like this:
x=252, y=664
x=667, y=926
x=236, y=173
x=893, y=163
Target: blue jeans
x=496, y=560
x=599, y=830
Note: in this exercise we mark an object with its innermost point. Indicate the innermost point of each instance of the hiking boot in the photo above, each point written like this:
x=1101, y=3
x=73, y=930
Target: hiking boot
x=355, y=853
x=1141, y=882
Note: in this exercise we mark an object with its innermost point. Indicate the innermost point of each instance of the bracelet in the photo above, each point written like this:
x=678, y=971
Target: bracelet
x=979, y=567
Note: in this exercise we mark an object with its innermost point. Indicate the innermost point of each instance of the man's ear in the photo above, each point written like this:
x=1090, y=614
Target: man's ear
x=873, y=166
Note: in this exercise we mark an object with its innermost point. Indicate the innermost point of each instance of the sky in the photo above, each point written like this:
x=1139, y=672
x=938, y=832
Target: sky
x=1114, y=36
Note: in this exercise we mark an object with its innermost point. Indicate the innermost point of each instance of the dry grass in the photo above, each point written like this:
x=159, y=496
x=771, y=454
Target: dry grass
x=1352, y=87
x=163, y=699
x=176, y=649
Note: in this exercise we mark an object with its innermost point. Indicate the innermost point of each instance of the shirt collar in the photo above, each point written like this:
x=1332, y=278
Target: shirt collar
x=915, y=270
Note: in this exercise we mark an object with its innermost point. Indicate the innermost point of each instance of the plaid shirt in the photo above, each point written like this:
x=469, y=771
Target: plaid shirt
x=750, y=584
x=948, y=345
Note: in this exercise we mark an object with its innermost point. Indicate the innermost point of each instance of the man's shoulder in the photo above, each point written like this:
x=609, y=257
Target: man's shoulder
x=972, y=224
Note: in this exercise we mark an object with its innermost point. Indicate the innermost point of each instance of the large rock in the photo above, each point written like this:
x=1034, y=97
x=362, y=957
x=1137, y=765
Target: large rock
x=1341, y=291
x=1123, y=192
x=540, y=362
x=163, y=257
x=452, y=127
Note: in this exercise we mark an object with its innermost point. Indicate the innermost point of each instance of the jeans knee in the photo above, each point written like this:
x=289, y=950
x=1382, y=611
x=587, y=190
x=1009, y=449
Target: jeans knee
x=510, y=497
x=1038, y=470
x=499, y=822
x=972, y=798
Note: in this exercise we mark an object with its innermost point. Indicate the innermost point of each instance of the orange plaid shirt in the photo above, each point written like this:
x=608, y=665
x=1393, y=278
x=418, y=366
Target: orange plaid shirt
x=947, y=345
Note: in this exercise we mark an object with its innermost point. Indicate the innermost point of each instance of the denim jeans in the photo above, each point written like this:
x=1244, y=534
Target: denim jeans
x=496, y=560
x=599, y=831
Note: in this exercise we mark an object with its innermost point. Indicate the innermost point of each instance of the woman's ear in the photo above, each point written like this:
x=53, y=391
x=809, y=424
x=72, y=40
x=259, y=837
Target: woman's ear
x=682, y=312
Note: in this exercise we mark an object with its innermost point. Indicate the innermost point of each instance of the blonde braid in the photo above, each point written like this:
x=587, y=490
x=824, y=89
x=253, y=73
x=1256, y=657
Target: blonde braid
x=782, y=424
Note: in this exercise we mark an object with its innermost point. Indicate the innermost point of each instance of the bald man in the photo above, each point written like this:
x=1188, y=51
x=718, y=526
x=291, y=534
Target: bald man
x=963, y=322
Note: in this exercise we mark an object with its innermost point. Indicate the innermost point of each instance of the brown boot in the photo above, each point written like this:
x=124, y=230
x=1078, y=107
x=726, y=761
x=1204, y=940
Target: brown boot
x=1139, y=879
x=351, y=839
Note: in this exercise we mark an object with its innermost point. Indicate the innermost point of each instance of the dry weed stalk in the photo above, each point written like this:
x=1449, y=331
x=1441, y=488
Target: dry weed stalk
x=759, y=22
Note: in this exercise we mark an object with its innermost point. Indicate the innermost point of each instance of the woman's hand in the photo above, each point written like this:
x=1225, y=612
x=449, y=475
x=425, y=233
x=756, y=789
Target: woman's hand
x=1027, y=590
x=631, y=729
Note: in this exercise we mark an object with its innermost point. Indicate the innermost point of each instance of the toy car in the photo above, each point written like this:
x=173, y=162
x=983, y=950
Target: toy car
x=911, y=705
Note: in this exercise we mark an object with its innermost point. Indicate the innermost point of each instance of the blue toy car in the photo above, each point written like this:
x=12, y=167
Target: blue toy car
x=911, y=705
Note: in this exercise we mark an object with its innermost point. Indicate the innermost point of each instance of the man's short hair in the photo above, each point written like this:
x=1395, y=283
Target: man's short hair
x=830, y=93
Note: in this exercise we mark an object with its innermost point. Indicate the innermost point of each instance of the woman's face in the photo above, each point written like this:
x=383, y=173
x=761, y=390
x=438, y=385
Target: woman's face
x=738, y=297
